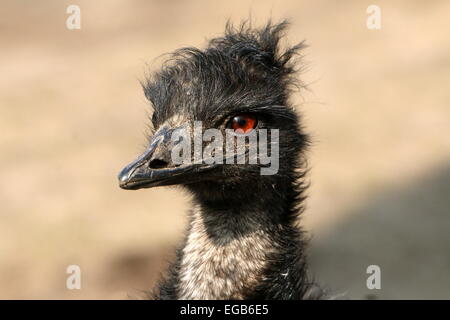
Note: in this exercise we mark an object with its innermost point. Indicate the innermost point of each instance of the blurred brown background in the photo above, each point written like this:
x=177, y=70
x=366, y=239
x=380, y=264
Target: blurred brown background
x=72, y=113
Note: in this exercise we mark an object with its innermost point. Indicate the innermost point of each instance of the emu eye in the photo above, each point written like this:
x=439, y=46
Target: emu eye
x=243, y=123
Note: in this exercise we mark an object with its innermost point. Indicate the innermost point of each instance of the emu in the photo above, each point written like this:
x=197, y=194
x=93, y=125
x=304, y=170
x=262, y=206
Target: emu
x=243, y=241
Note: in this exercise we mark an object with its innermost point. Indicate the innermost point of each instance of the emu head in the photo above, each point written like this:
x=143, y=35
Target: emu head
x=239, y=84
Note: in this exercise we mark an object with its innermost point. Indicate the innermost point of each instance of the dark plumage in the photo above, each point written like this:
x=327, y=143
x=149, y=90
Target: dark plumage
x=243, y=241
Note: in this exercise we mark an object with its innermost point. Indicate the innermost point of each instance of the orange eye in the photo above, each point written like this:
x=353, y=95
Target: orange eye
x=243, y=123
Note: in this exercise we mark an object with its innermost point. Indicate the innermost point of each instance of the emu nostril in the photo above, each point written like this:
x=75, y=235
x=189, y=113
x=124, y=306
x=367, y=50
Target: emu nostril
x=158, y=164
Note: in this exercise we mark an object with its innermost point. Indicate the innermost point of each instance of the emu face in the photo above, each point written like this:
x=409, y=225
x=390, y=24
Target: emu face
x=239, y=83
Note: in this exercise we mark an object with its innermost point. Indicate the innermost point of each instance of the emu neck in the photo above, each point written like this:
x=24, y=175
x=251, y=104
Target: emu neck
x=226, y=252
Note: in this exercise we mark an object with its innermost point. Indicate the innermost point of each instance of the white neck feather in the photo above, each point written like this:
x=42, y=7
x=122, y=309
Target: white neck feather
x=222, y=264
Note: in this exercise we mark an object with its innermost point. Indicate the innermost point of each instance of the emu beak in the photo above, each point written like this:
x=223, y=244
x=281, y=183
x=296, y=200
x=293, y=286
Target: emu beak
x=155, y=168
